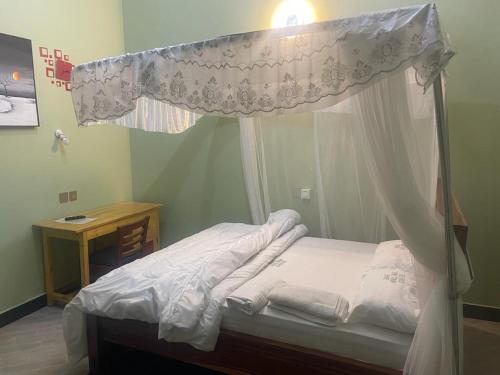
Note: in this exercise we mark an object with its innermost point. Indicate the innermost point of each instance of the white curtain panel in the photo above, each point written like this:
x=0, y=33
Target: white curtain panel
x=273, y=169
x=254, y=172
x=348, y=205
x=331, y=161
x=383, y=113
x=282, y=154
x=155, y=116
x=375, y=161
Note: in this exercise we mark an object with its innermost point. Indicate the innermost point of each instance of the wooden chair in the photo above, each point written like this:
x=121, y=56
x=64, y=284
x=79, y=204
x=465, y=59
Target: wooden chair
x=130, y=245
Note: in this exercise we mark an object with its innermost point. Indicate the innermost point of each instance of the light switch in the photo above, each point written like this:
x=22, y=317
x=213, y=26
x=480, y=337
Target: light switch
x=73, y=195
x=305, y=194
x=63, y=197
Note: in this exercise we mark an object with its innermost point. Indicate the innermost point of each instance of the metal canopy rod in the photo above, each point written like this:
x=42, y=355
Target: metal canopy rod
x=444, y=158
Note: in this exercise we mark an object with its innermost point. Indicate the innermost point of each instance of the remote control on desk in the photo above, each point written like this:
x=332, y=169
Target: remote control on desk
x=77, y=217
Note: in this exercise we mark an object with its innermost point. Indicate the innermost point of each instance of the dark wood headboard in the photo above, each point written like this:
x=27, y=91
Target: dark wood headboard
x=459, y=223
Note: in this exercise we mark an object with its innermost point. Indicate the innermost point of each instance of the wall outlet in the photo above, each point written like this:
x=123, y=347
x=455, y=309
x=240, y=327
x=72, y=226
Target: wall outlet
x=73, y=195
x=63, y=197
x=305, y=194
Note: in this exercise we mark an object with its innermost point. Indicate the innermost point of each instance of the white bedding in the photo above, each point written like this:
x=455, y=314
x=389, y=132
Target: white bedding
x=186, y=284
x=336, y=266
x=313, y=304
x=175, y=286
x=388, y=293
x=204, y=335
x=253, y=295
x=333, y=265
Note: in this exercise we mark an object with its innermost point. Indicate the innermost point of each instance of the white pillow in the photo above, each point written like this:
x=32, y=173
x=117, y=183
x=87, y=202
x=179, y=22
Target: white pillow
x=388, y=293
x=393, y=254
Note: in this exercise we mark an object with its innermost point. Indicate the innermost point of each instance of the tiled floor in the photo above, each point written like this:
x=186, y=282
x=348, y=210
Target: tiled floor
x=34, y=345
x=481, y=347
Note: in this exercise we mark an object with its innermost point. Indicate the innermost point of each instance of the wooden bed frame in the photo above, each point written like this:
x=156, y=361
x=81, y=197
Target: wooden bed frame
x=235, y=353
x=459, y=223
x=238, y=353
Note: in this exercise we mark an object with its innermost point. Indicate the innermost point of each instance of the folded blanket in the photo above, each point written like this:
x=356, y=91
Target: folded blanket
x=316, y=305
x=252, y=296
x=204, y=335
x=303, y=315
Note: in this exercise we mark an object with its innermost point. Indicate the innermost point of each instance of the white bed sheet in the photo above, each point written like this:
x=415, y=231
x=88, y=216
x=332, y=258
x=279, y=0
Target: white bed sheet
x=336, y=266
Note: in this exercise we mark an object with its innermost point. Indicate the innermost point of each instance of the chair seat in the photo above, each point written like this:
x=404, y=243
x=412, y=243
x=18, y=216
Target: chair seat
x=108, y=257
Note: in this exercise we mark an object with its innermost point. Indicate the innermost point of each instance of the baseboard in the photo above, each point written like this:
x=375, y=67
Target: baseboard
x=22, y=310
x=482, y=312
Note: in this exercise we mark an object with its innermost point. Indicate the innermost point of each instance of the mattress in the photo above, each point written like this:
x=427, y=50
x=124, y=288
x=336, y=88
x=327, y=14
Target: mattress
x=336, y=266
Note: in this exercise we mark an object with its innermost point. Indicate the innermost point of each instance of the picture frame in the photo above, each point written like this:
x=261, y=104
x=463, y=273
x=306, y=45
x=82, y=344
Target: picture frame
x=18, y=100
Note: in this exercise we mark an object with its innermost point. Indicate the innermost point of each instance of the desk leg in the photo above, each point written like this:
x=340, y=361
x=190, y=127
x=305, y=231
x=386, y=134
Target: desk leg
x=155, y=228
x=48, y=268
x=84, y=259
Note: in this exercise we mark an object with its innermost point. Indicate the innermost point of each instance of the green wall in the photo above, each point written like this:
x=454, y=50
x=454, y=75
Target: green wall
x=32, y=170
x=197, y=175
x=200, y=180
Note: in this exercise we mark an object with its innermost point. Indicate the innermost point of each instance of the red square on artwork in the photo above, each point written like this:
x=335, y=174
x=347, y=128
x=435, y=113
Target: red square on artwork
x=44, y=52
x=58, y=83
x=63, y=70
x=50, y=62
x=66, y=57
x=49, y=72
x=58, y=54
x=67, y=85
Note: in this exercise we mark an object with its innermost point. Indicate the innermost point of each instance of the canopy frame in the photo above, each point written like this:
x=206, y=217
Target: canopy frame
x=444, y=156
x=261, y=73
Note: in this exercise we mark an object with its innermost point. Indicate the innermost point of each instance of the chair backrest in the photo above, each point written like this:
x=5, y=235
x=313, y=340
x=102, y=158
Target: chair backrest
x=131, y=239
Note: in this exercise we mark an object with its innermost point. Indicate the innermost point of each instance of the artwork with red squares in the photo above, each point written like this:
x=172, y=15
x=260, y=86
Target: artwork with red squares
x=49, y=72
x=44, y=52
x=58, y=67
x=63, y=70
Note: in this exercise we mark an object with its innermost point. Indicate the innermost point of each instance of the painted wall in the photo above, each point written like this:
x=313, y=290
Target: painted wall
x=200, y=179
x=32, y=169
x=197, y=174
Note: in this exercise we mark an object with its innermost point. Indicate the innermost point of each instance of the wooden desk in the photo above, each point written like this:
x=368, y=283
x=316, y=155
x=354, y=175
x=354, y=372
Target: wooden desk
x=108, y=218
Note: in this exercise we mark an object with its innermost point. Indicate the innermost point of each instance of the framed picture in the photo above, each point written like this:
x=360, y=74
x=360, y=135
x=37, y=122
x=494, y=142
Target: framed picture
x=18, y=106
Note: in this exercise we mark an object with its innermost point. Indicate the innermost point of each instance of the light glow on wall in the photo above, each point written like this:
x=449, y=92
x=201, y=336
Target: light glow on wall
x=292, y=13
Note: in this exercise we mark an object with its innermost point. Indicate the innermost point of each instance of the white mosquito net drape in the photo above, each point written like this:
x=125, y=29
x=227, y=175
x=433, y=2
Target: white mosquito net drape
x=345, y=204
x=357, y=66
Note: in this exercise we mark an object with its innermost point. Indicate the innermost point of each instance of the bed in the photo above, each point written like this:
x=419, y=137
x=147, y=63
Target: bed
x=296, y=69
x=270, y=340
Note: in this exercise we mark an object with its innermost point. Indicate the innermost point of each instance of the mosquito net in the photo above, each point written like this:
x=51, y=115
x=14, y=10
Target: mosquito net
x=346, y=102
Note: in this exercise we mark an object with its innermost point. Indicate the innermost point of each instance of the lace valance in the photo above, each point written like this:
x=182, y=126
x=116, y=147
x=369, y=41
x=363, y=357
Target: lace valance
x=294, y=69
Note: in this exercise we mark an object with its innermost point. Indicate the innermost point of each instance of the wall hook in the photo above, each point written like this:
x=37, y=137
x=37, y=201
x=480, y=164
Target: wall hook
x=60, y=135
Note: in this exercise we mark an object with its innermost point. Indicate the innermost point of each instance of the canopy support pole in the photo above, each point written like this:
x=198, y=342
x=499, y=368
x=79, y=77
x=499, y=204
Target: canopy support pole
x=444, y=159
